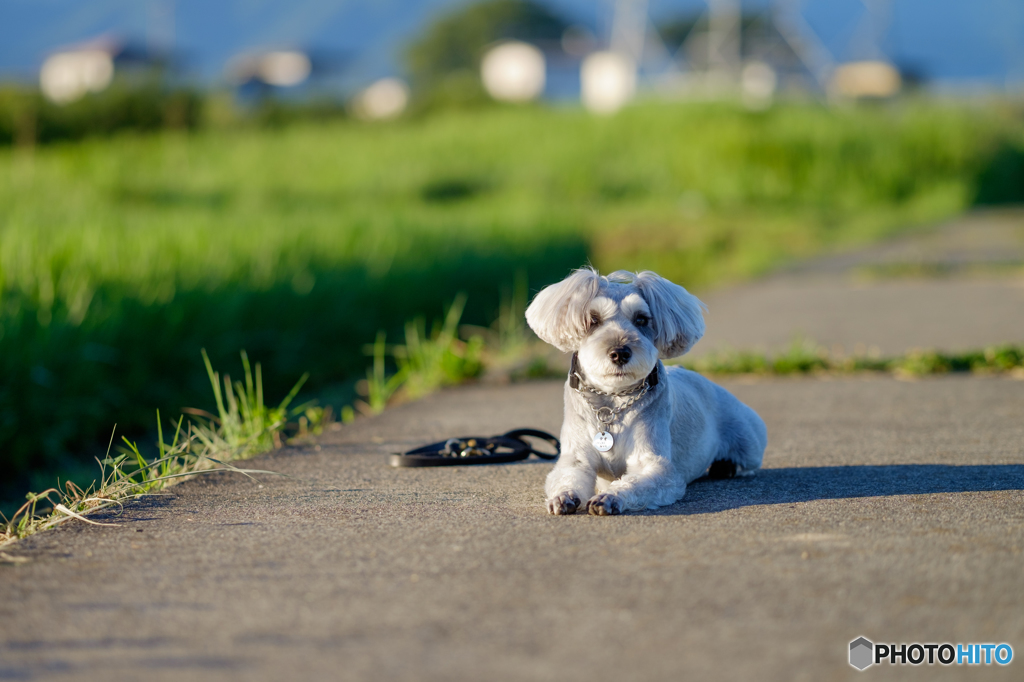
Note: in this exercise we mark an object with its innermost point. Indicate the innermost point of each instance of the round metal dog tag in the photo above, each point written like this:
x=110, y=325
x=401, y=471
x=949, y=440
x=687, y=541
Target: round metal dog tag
x=603, y=441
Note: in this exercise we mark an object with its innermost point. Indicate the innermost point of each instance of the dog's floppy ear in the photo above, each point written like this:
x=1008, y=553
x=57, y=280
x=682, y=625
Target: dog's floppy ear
x=559, y=313
x=677, y=315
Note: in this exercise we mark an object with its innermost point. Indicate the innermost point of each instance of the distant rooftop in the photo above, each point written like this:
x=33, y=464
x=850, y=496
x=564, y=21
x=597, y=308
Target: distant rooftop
x=952, y=43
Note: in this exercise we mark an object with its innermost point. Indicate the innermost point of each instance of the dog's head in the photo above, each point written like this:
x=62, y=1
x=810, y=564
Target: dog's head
x=620, y=324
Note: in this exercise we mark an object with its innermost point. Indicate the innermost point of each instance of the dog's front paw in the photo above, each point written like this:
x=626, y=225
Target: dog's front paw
x=604, y=504
x=563, y=503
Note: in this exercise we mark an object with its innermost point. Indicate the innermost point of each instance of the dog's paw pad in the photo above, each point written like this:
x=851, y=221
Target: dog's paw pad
x=604, y=504
x=563, y=503
x=722, y=468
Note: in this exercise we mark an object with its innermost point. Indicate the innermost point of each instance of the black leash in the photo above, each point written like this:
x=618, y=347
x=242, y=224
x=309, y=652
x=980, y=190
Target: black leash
x=508, y=447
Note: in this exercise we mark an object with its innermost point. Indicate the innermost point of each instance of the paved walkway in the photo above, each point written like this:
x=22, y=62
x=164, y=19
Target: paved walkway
x=886, y=509
x=957, y=287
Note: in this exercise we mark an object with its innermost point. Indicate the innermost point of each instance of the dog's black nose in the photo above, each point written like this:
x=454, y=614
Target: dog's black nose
x=620, y=356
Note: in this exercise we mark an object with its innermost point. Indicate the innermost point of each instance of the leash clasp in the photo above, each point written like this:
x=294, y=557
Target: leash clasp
x=454, y=447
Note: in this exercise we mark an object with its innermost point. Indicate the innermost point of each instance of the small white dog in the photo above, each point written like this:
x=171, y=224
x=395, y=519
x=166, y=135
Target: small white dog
x=634, y=431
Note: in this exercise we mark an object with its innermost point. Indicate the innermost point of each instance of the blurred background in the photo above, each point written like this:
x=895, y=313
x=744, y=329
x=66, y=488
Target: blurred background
x=291, y=178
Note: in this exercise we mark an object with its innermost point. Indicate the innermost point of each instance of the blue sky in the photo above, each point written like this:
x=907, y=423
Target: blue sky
x=955, y=42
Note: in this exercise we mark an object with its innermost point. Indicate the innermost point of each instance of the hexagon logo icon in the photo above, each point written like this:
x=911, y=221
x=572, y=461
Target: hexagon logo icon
x=861, y=653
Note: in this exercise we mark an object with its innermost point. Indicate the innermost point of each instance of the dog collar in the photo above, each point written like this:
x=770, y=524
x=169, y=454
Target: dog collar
x=603, y=440
x=576, y=381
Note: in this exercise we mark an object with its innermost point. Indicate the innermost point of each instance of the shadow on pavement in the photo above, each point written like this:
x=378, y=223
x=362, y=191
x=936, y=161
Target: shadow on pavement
x=805, y=484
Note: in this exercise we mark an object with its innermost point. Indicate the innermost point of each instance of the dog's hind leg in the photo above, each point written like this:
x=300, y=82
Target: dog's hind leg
x=739, y=456
x=723, y=468
x=744, y=437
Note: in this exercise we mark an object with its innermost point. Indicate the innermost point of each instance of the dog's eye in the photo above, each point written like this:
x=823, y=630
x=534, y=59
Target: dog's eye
x=595, y=319
x=641, y=320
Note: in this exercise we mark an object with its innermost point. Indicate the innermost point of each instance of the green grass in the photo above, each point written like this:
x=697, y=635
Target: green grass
x=243, y=427
x=806, y=357
x=121, y=258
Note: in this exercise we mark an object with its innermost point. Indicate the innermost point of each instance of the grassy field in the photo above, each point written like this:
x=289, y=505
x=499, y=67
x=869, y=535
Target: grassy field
x=121, y=258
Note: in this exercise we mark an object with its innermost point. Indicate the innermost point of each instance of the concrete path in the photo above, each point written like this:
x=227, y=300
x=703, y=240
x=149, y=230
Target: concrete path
x=887, y=509
x=954, y=287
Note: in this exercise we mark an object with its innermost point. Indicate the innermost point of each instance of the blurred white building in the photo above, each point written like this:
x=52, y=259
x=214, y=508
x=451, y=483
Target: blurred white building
x=514, y=72
x=607, y=81
x=280, y=68
x=385, y=99
x=871, y=78
x=69, y=73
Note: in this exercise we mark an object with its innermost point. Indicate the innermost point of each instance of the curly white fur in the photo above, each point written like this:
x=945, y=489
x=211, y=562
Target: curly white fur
x=672, y=435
